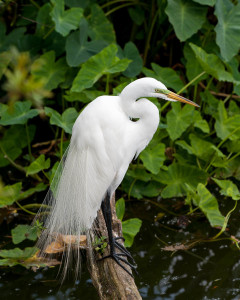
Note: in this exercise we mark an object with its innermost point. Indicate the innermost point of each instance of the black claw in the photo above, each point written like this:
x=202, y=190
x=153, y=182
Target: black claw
x=117, y=257
x=120, y=238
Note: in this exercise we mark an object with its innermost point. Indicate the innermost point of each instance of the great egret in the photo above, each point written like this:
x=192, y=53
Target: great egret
x=104, y=142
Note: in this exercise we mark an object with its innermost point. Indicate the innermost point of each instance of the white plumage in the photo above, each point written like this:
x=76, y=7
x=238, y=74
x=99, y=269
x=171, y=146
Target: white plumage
x=104, y=141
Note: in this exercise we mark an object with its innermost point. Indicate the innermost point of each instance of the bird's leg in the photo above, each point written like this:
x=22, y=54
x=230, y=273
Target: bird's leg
x=107, y=214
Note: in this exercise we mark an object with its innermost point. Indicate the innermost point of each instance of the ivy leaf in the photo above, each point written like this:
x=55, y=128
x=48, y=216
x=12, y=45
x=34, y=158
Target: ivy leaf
x=130, y=51
x=102, y=63
x=46, y=69
x=85, y=96
x=13, y=141
x=38, y=188
x=18, y=113
x=100, y=27
x=153, y=157
x=206, y=2
x=11, y=148
x=139, y=173
x=65, y=121
x=176, y=178
x=120, y=208
x=205, y=150
x=38, y=165
x=188, y=20
x=65, y=20
x=19, y=254
x=43, y=20
x=5, y=59
x=9, y=194
x=167, y=76
x=228, y=28
x=178, y=120
x=130, y=228
x=227, y=126
x=11, y=39
x=209, y=206
x=79, y=49
x=228, y=188
x=193, y=67
x=140, y=189
x=202, y=124
x=212, y=64
x=23, y=232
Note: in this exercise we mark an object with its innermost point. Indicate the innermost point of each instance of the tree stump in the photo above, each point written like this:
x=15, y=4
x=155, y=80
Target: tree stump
x=109, y=279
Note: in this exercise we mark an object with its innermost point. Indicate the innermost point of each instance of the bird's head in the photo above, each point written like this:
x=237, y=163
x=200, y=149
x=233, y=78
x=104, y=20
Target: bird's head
x=150, y=87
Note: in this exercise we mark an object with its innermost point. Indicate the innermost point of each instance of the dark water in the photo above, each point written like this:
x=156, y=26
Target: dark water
x=209, y=270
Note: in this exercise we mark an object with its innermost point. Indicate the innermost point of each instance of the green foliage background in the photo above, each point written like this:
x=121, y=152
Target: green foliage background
x=57, y=56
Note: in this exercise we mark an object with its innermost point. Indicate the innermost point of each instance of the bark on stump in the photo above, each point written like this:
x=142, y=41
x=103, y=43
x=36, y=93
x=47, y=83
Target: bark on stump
x=109, y=279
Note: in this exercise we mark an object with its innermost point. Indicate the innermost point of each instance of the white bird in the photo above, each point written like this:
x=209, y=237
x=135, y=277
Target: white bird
x=104, y=142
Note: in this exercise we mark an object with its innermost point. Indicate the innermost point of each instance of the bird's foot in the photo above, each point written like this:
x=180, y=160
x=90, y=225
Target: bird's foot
x=117, y=257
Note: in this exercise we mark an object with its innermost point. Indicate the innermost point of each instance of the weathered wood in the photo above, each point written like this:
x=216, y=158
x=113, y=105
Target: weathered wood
x=109, y=279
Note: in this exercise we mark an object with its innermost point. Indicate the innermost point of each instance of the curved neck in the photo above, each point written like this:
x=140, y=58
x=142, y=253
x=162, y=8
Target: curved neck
x=143, y=109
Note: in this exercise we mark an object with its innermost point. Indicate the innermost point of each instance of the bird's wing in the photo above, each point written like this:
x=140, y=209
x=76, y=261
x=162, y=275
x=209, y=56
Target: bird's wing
x=75, y=194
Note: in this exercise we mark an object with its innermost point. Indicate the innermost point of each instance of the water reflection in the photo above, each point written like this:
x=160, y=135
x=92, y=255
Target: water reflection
x=208, y=271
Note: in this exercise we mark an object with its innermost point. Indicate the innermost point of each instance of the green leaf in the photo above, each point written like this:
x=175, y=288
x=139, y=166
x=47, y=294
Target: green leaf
x=193, y=67
x=9, y=194
x=137, y=14
x=131, y=52
x=139, y=173
x=65, y=20
x=167, y=76
x=206, y=2
x=11, y=39
x=102, y=63
x=65, y=121
x=47, y=70
x=227, y=127
x=38, y=188
x=153, y=157
x=228, y=188
x=5, y=59
x=130, y=228
x=204, y=149
x=138, y=189
x=43, y=20
x=100, y=27
x=19, y=254
x=212, y=64
x=209, y=206
x=176, y=178
x=85, y=96
x=189, y=18
x=120, y=208
x=179, y=119
x=9, y=148
x=228, y=28
x=13, y=141
x=203, y=125
x=38, y=165
x=79, y=49
x=23, y=232
x=18, y=113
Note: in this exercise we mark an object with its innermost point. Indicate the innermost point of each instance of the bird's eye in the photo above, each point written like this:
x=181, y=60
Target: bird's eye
x=162, y=91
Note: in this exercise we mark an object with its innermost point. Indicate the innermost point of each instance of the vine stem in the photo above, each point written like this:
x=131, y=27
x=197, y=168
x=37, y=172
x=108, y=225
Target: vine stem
x=225, y=222
x=149, y=38
x=28, y=142
x=24, y=209
x=183, y=89
x=118, y=7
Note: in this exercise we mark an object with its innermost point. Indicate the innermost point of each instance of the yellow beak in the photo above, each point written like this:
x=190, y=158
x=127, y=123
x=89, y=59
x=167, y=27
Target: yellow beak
x=174, y=96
